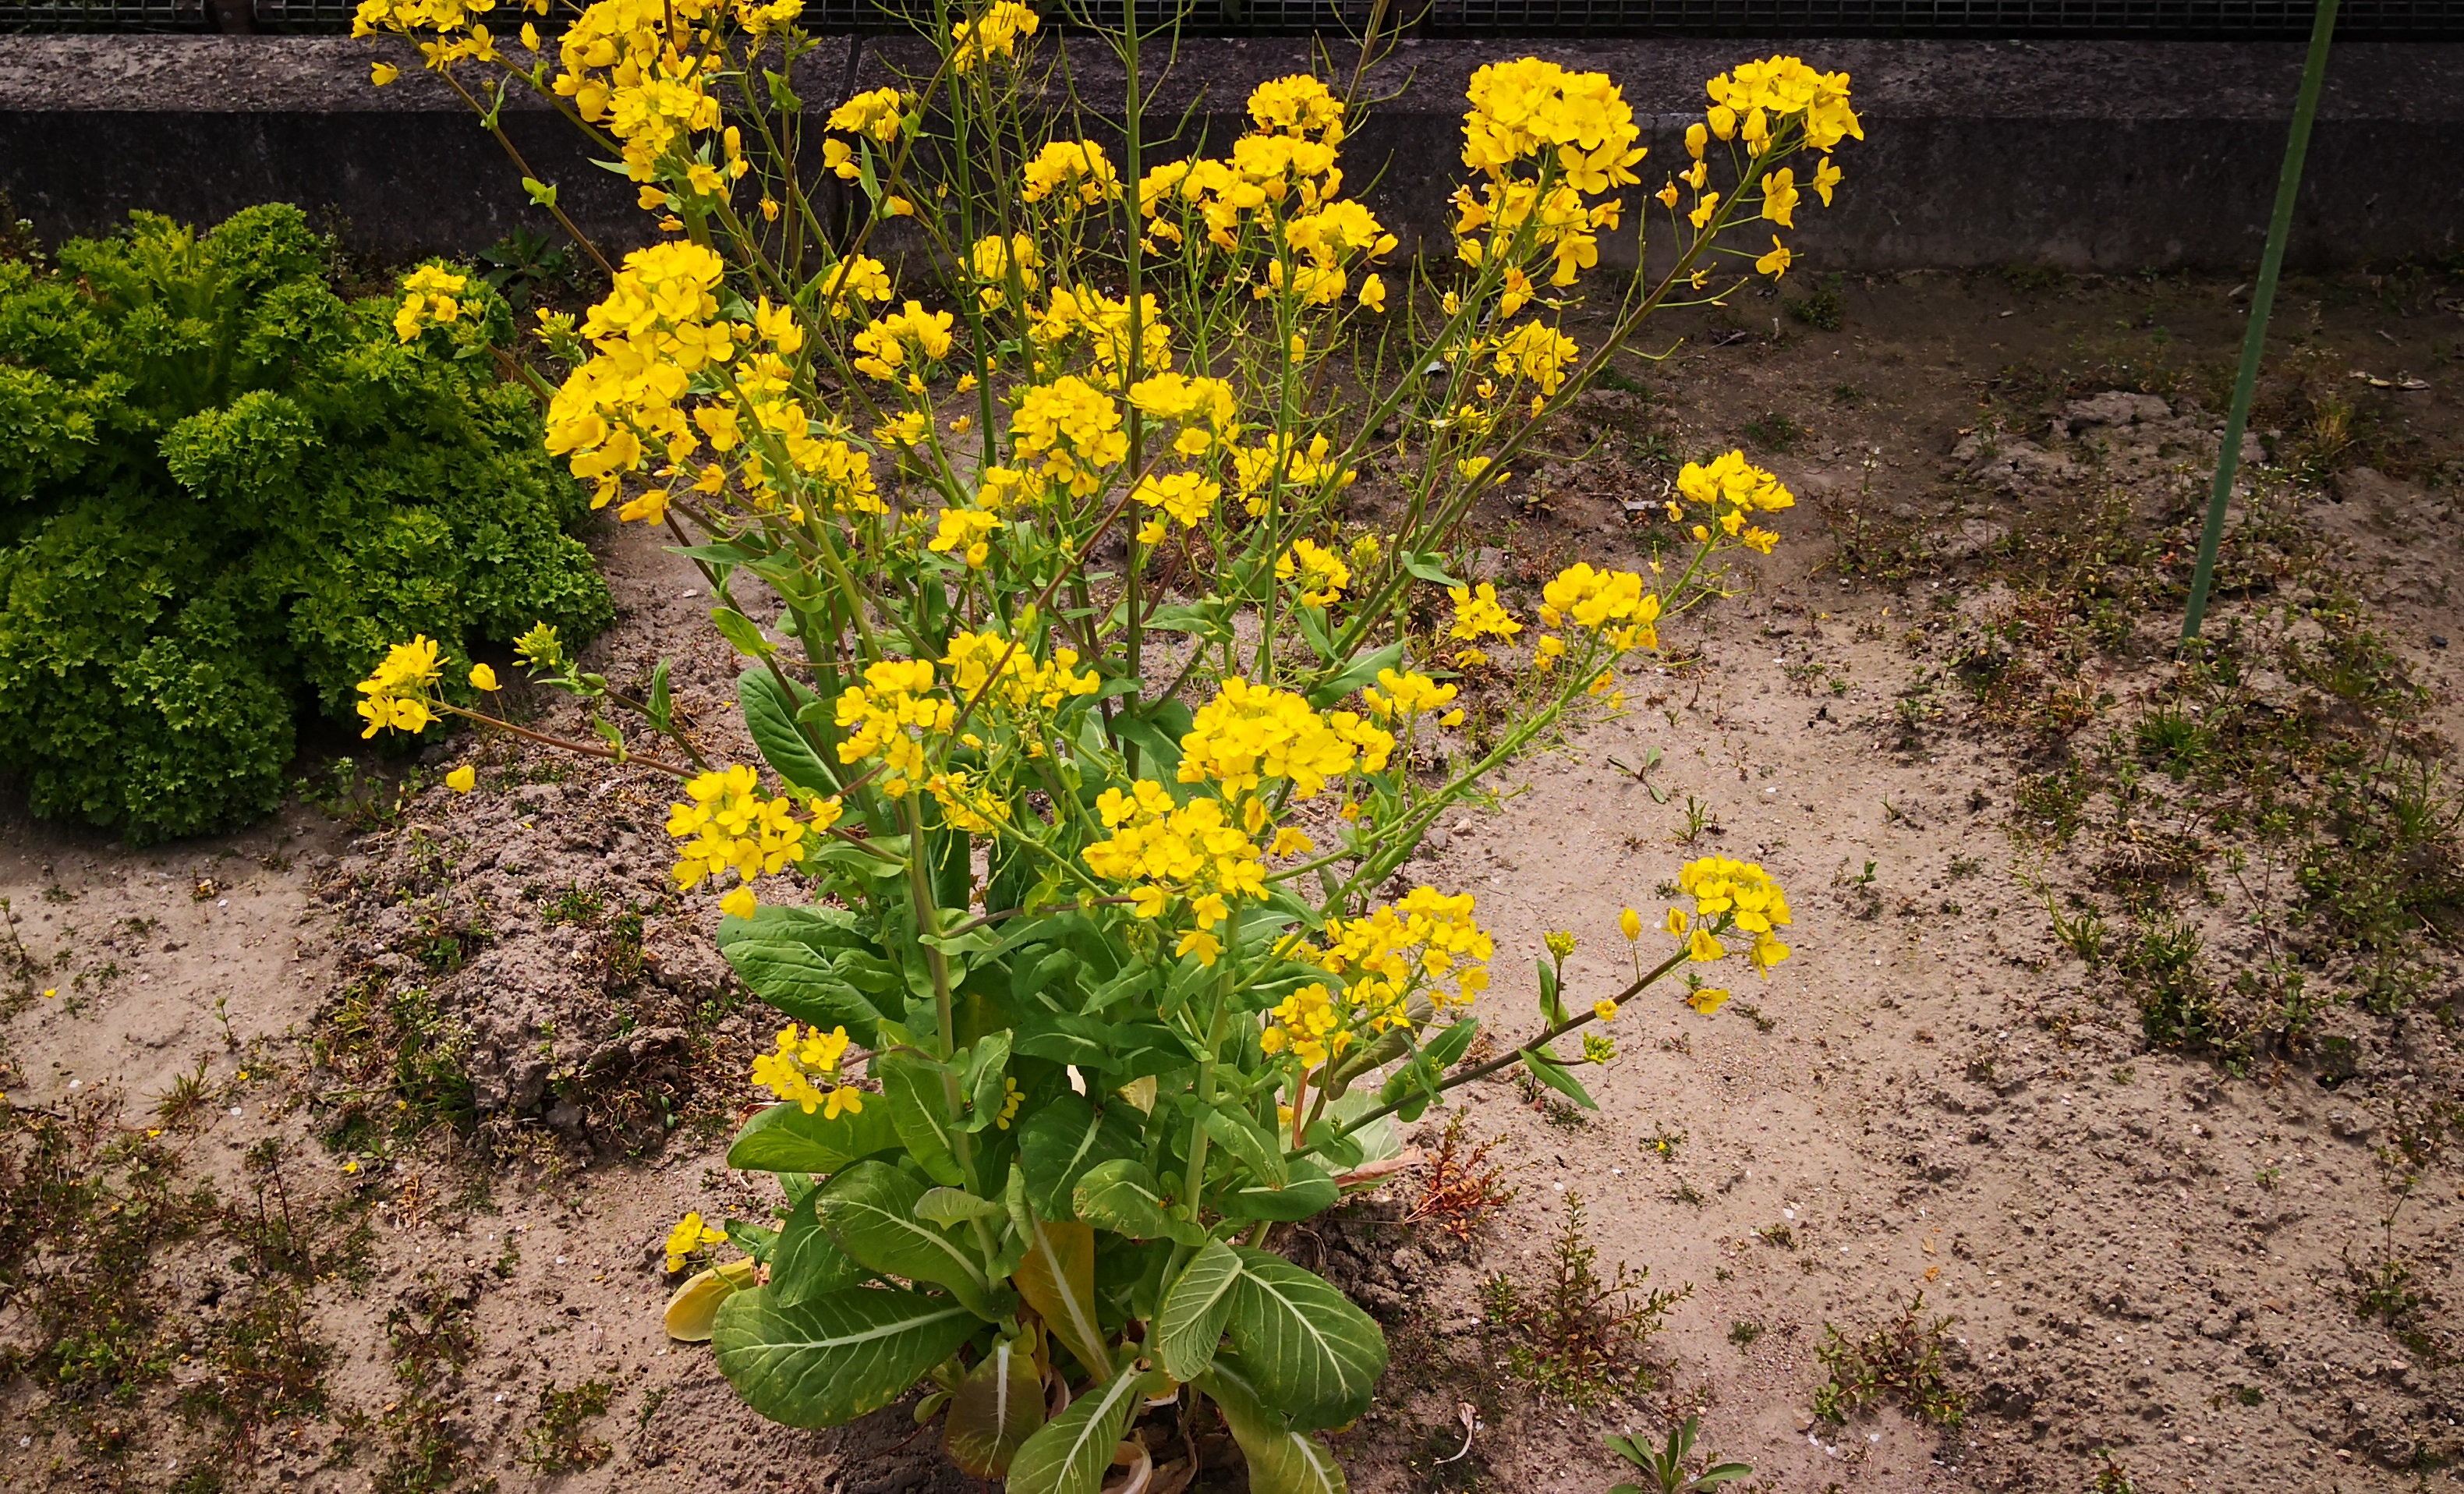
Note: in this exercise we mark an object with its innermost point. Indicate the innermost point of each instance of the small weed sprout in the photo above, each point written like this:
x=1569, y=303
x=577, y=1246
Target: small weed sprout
x=1458, y=1193
x=555, y=1441
x=1667, y=1465
x=1577, y=1336
x=1903, y=1360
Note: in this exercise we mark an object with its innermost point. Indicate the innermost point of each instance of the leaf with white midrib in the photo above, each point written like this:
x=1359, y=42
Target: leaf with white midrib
x=996, y=1408
x=1281, y=1460
x=869, y=1210
x=1314, y=1354
x=1070, y=1452
x=831, y=1359
x=1190, y=1323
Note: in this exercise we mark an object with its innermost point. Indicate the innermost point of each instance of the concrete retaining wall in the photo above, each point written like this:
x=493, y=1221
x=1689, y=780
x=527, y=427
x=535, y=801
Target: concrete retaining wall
x=2091, y=155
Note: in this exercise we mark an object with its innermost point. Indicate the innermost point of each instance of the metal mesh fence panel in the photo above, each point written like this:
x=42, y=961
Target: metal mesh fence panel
x=2242, y=20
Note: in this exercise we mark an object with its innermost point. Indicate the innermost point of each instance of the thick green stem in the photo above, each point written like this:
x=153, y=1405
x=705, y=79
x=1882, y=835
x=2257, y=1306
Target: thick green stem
x=1194, y=1181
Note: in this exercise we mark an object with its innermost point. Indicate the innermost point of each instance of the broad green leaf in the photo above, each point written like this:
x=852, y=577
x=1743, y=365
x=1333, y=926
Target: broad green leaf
x=1238, y=1133
x=1545, y=1068
x=832, y=1359
x=997, y=1407
x=1312, y=1354
x=695, y=1308
x=948, y=1206
x=1362, y=670
x=805, y=1262
x=1065, y=1038
x=785, y=1138
x=987, y=1066
x=1191, y=1322
x=790, y=957
x=919, y=1108
x=1123, y=1197
x=1057, y=1278
x=1429, y=566
x=770, y=715
x=869, y=1210
x=1281, y=1460
x=1073, y=1452
x=1062, y=1140
x=1308, y=1192
x=741, y=633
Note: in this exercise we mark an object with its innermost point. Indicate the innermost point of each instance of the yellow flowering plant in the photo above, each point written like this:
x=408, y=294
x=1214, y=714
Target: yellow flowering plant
x=1091, y=738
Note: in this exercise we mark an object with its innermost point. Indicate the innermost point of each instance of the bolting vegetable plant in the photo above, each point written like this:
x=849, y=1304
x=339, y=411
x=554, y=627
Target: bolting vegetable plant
x=1093, y=739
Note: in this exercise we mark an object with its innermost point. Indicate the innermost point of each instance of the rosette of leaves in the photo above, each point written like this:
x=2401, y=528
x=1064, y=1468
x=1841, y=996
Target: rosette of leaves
x=1043, y=1271
x=224, y=489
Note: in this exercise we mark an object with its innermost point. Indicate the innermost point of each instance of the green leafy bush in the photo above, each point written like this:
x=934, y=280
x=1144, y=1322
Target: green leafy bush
x=223, y=490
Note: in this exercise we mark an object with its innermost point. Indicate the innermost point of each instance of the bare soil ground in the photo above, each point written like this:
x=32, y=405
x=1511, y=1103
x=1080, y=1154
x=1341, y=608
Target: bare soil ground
x=2120, y=1023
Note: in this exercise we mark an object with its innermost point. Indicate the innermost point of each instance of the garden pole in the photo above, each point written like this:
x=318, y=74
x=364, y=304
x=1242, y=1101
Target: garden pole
x=2262, y=300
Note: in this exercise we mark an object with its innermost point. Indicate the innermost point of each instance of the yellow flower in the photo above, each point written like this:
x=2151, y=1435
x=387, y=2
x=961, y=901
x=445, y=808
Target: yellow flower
x=1703, y=948
x=1780, y=197
x=1826, y=176
x=690, y=1235
x=1605, y=1010
x=1709, y=1000
x=482, y=678
x=384, y=73
x=995, y=36
x=1775, y=263
x=1320, y=571
x=462, y=779
x=1372, y=291
x=739, y=903
x=1676, y=923
x=1630, y=924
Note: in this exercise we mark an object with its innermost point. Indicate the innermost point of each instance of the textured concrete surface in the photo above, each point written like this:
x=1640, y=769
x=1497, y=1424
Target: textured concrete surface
x=2092, y=155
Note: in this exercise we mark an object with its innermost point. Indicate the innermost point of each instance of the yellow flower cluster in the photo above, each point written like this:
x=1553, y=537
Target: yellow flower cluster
x=1071, y=428
x=395, y=692
x=440, y=20
x=1103, y=321
x=1543, y=137
x=802, y=1056
x=1003, y=266
x=1282, y=179
x=1026, y=684
x=1410, y=694
x=1077, y=172
x=1731, y=896
x=1251, y=734
x=1185, y=496
x=1735, y=489
x=1385, y=958
x=428, y=300
x=1311, y=1024
x=904, y=345
x=1163, y=851
x=689, y=1237
x=993, y=35
x=731, y=826
x=1319, y=572
x=629, y=66
x=889, y=717
x=1429, y=935
x=1611, y=604
x=1282, y=460
x=1754, y=106
x=1537, y=354
x=621, y=411
x=1479, y=615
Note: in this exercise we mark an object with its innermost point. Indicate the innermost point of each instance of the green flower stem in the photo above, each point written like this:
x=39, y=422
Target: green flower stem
x=1588, y=1015
x=604, y=753
x=1194, y=1181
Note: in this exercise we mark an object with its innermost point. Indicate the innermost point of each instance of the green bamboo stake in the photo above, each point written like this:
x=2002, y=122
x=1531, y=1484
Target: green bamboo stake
x=2288, y=187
